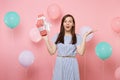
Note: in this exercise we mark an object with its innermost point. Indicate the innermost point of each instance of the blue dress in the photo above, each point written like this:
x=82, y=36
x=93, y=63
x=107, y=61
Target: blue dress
x=66, y=68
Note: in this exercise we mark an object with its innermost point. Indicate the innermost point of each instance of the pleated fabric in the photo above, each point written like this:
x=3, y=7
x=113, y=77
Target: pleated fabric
x=66, y=68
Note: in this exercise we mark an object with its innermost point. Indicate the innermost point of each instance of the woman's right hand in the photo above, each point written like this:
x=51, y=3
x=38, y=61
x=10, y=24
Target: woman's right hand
x=45, y=37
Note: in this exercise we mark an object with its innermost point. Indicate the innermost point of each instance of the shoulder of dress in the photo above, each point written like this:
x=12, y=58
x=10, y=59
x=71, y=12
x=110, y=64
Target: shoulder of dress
x=78, y=35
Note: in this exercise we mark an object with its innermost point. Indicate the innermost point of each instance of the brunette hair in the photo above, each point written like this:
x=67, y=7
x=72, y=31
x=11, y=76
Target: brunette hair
x=60, y=38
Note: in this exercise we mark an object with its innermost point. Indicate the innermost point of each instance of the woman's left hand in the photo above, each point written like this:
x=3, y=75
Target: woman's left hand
x=89, y=32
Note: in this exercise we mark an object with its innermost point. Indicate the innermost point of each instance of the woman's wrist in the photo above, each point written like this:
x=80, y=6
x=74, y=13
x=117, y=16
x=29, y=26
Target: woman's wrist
x=45, y=38
x=84, y=37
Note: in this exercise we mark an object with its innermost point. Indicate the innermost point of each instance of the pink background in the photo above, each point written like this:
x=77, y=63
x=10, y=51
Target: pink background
x=95, y=13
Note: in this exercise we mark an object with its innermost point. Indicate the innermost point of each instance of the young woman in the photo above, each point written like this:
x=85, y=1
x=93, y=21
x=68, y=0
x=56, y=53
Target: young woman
x=67, y=43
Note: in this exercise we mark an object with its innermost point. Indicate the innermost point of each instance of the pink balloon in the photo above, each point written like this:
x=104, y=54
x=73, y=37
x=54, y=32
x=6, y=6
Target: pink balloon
x=117, y=73
x=35, y=35
x=54, y=11
x=116, y=24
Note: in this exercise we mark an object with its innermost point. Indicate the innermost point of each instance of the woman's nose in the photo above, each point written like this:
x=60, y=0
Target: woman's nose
x=67, y=23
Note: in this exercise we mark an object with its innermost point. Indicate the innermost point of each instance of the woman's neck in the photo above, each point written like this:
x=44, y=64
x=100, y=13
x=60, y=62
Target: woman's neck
x=67, y=34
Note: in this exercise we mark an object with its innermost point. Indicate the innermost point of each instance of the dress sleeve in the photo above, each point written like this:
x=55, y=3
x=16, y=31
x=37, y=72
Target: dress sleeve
x=79, y=40
x=54, y=38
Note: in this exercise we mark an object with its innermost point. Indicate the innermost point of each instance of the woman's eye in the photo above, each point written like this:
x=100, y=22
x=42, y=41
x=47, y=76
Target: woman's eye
x=70, y=21
x=65, y=21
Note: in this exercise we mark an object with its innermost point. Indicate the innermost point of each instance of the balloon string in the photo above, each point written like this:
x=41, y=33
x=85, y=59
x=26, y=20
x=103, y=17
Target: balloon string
x=85, y=67
x=26, y=73
x=13, y=38
x=103, y=70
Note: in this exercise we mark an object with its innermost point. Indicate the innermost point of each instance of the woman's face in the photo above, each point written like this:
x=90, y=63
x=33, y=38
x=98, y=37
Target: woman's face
x=68, y=23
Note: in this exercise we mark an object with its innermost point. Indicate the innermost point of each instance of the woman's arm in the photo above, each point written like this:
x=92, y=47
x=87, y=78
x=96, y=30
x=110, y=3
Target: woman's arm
x=81, y=48
x=51, y=47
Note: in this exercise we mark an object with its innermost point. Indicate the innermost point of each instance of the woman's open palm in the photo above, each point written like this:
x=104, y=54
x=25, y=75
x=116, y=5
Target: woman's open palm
x=88, y=33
